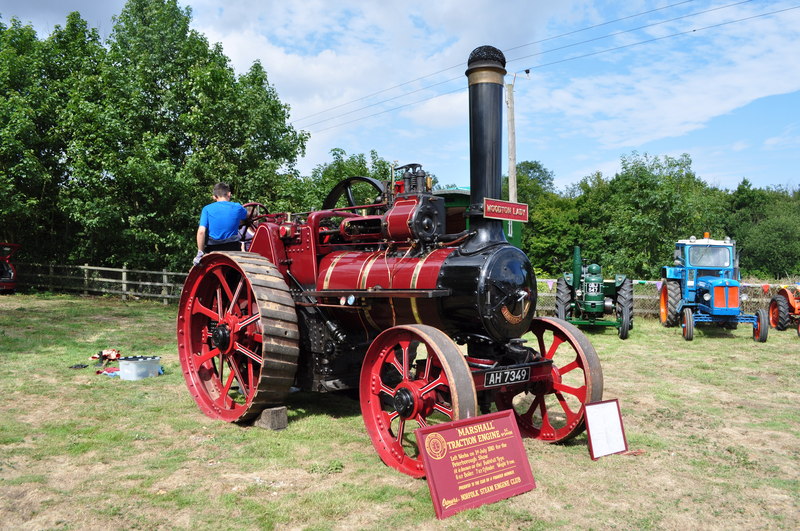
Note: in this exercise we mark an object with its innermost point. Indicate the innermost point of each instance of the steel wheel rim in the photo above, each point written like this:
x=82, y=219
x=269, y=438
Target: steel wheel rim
x=687, y=324
x=222, y=364
x=413, y=376
x=774, y=316
x=558, y=413
x=761, y=326
x=663, y=302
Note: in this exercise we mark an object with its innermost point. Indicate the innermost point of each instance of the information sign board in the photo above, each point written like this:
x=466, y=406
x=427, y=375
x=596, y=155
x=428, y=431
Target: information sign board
x=475, y=461
x=604, y=429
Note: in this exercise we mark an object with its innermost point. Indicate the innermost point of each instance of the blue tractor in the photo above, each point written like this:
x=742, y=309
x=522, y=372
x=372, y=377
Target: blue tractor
x=703, y=287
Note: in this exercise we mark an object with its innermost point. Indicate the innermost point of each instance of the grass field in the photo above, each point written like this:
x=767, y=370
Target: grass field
x=716, y=423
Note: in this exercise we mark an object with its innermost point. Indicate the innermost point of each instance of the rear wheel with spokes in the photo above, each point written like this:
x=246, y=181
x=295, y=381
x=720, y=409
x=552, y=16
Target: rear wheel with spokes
x=237, y=335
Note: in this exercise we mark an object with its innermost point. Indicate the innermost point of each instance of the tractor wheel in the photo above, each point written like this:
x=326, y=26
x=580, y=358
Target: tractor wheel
x=625, y=301
x=563, y=299
x=779, y=313
x=626, y=323
x=237, y=335
x=557, y=413
x=761, y=326
x=412, y=376
x=669, y=299
x=687, y=323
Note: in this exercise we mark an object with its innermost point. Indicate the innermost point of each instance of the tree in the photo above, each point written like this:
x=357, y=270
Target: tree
x=651, y=203
x=553, y=229
x=39, y=81
x=174, y=120
x=24, y=177
x=765, y=224
x=543, y=235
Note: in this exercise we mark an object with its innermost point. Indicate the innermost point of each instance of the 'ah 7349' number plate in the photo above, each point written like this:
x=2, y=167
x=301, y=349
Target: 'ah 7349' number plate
x=507, y=376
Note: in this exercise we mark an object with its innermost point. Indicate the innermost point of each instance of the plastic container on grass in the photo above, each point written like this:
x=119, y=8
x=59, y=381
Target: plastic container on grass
x=139, y=367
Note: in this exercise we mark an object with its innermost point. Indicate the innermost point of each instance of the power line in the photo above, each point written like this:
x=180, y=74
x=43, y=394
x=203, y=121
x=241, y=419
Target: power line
x=463, y=63
x=616, y=48
x=427, y=87
x=660, y=38
x=600, y=25
x=617, y=33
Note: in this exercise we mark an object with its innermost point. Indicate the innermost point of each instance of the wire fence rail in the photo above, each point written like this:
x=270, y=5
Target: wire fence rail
x=166, y=286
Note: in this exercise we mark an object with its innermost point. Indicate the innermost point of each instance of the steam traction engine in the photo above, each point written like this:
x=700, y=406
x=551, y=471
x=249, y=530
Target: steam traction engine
x=378, y=295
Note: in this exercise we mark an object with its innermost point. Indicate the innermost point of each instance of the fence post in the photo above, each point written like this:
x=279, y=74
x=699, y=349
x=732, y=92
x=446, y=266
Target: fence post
x=50, y=278
x=124, y=281
x=86, y=279
x=164, y=286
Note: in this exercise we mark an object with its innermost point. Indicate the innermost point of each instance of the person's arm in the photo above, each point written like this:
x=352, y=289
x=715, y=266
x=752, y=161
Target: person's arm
x=201, y=238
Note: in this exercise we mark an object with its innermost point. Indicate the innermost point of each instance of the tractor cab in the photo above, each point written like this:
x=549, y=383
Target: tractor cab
x=709, y=273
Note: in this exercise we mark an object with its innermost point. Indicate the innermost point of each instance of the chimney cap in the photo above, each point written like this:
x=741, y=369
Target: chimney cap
x=487, y=53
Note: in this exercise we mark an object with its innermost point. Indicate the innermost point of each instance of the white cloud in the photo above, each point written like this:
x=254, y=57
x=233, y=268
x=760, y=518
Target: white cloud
x=789, y=138
x=671, y=95
x=336, y=56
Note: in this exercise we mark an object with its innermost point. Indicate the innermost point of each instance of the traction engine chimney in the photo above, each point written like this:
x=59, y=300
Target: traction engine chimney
x=485, y=71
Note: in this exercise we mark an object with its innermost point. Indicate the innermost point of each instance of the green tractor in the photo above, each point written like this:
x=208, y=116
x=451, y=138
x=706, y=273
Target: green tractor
x=584, y=298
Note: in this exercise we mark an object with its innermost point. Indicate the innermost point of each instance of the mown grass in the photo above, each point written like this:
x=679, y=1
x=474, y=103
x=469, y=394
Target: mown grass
x=715, y=420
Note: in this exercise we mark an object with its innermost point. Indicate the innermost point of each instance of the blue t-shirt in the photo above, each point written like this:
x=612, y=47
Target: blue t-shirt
x=221, y=220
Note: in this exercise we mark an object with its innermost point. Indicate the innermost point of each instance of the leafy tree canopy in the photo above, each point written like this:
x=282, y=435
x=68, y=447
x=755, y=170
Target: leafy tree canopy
x=111, y=150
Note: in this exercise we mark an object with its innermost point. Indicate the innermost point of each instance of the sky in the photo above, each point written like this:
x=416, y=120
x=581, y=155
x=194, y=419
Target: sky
x=593, y=81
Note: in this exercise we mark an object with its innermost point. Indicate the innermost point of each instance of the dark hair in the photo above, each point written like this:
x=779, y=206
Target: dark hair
x=221, y=189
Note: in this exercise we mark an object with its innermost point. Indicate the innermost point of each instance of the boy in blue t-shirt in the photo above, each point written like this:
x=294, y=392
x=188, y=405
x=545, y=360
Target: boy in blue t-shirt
x=219, y=224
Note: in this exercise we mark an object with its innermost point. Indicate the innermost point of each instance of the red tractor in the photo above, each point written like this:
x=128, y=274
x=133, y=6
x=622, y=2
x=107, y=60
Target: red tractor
x=8, y=274
x=394, y=294
x=784, y=309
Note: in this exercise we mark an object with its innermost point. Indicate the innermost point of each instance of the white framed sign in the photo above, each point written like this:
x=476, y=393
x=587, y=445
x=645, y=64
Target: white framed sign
x=604, y=429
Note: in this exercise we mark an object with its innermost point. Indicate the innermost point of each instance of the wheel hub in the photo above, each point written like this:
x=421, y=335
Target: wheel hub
x=404, y=402
x=221, y=337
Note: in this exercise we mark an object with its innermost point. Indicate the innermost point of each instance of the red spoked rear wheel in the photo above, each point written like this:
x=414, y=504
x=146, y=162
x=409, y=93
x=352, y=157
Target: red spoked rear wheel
x=413, y=376
x=237, y=335
x=556, y=413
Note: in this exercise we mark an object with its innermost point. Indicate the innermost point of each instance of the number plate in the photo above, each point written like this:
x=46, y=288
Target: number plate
x=507, y=376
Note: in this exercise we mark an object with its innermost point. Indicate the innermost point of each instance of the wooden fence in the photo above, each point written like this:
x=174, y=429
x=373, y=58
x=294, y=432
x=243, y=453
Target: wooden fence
x=166, y=286
x=92, y=280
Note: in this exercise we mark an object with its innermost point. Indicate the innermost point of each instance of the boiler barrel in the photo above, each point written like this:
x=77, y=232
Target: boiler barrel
x=490, y=293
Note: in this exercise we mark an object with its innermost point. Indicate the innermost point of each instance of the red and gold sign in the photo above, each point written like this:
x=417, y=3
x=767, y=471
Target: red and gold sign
x=475, y=461
x=497, y=209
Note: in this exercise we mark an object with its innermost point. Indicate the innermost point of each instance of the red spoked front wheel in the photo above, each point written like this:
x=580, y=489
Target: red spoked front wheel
x=237, y=335
x=556, y=412
x=413, y=376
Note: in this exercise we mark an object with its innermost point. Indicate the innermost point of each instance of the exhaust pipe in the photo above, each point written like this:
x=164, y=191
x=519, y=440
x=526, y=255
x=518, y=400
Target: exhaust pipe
x=485, y=71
